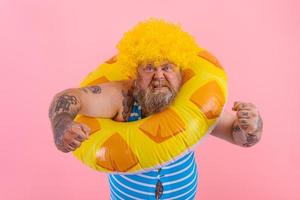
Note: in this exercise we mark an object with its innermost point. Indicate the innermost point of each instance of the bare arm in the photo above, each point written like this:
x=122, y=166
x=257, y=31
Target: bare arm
x=223, y=129
x=243, y=129
x=96, y=101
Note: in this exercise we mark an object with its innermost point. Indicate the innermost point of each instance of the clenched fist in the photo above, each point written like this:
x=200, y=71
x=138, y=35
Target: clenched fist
x=69, y=134
x=247, y=127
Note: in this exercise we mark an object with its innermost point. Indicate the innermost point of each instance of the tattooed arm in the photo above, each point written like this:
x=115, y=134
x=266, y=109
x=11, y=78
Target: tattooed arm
x=95, y=101
x=243, y=129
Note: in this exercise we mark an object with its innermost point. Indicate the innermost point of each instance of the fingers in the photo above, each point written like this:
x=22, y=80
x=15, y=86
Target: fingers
x=247, y=117
x=80, y=138
x=75, y=135
x=238, y=105
x=75, y=144
x=69, y=148
x=245, y=110
x=243, y=114
x=247, y=125
x=71, y=144
x=246, y=114
x=78, y=133
x=86, y=129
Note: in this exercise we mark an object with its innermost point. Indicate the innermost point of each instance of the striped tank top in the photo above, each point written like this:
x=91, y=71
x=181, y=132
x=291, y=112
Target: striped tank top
x=177, y=180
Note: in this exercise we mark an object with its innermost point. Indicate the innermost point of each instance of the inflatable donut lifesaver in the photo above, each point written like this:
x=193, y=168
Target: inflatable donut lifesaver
x=130, y=147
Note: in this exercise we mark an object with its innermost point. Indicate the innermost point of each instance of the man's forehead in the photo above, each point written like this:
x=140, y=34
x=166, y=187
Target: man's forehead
x=157, y=63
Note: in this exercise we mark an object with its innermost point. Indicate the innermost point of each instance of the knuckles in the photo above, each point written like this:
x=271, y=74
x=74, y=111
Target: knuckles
x=71, y=135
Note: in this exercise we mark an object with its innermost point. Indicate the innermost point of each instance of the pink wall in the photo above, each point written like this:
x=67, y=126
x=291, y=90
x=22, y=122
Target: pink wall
x=50, y=45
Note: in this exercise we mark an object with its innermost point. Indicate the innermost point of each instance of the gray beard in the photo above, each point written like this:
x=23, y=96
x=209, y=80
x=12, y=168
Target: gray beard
x=153, y=103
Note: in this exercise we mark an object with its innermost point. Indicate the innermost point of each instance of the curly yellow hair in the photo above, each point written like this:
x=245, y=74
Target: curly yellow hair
x=155, y=40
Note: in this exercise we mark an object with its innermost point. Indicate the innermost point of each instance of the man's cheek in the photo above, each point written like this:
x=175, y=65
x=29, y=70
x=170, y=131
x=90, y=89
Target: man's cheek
x=145, y=84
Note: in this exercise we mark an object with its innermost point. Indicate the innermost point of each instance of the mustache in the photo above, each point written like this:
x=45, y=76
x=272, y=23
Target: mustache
x=160, y=83
x=153, y=102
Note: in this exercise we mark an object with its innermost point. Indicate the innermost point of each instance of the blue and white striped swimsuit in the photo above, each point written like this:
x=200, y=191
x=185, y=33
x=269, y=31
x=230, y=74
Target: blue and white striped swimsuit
x=179, y=178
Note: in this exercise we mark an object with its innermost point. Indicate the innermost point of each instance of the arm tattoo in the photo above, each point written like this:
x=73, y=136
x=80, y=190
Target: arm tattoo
x=94, y=89
x=240, y=136
x=62, y=111
x=60, y=124
x=64, y=104
x=253, y=139
x=50, y=111
x=127, y=103
x=236, y=129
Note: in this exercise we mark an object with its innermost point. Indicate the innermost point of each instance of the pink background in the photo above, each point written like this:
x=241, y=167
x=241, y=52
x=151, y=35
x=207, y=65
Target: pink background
x=50, y=45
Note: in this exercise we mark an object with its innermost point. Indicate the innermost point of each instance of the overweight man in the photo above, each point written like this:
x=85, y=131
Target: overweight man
x=156, y=80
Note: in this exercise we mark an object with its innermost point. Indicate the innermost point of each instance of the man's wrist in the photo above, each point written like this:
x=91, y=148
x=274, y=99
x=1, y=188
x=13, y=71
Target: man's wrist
x=59, y=125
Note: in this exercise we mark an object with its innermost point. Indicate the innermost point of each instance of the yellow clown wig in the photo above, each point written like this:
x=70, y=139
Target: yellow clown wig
x=155, y=40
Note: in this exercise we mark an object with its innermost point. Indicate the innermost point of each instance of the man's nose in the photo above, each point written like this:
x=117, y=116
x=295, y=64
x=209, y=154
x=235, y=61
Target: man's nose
x=159, y=74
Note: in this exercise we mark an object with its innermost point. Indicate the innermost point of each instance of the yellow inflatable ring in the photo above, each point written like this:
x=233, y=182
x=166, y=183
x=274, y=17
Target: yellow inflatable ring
x=130, y=147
